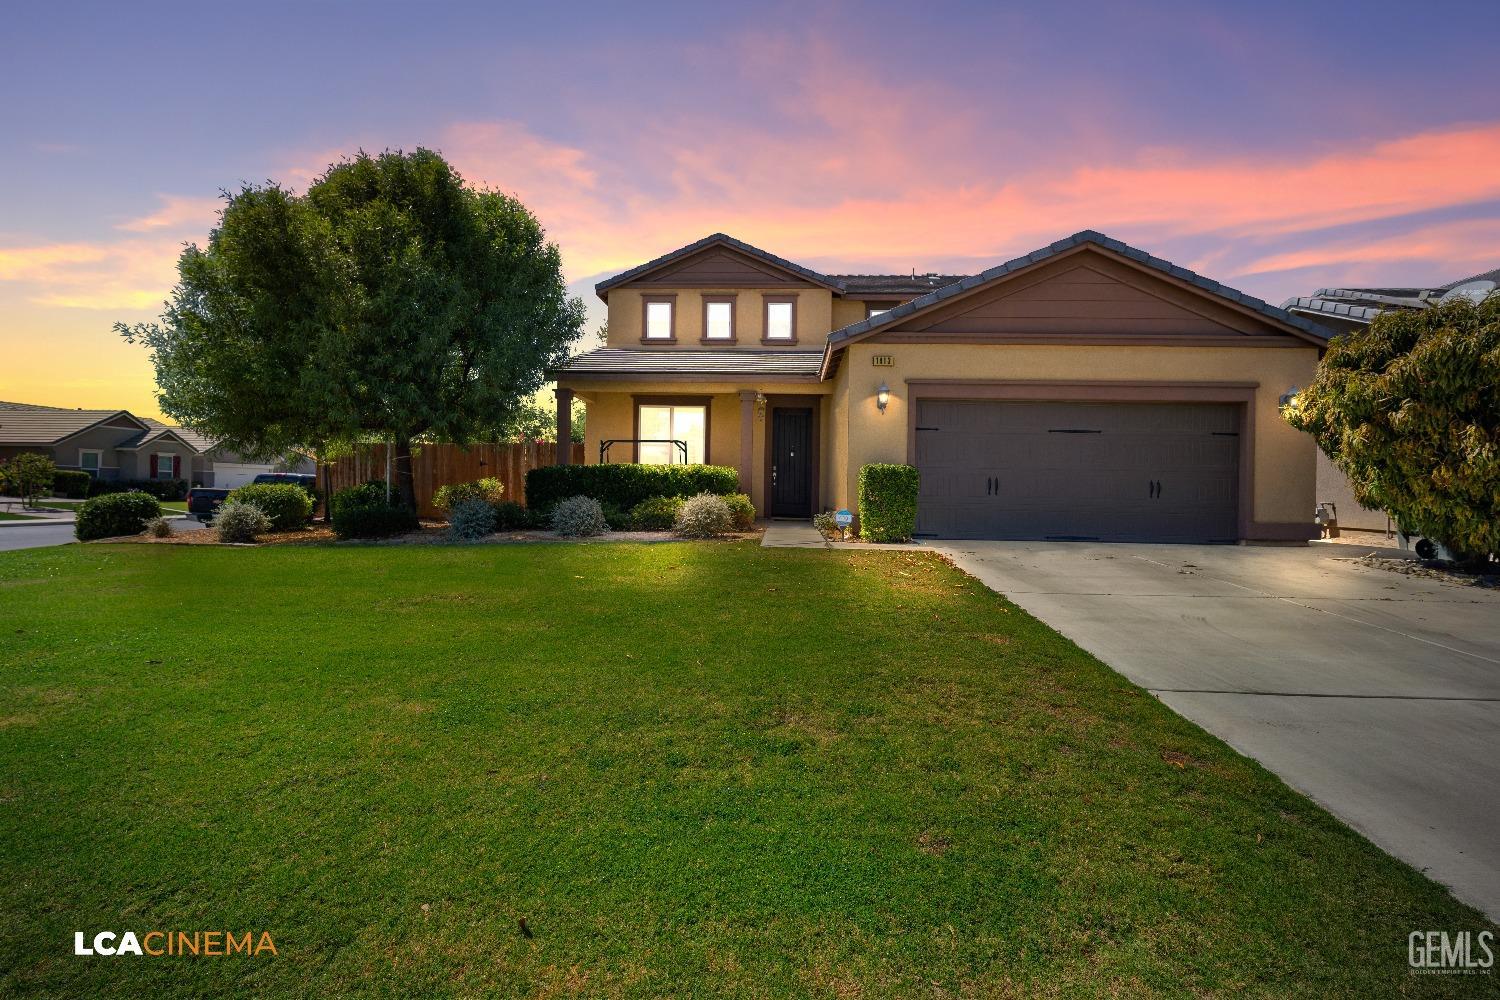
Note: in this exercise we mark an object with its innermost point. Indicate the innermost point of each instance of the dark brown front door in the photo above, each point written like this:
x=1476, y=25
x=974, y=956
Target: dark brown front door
x=791, y=462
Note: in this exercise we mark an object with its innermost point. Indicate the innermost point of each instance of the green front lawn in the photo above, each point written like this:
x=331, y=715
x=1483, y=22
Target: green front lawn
x=693, y=769
x=7, y=516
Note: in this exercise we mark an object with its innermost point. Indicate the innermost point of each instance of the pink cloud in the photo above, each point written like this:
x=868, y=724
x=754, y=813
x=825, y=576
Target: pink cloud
x=177, y=214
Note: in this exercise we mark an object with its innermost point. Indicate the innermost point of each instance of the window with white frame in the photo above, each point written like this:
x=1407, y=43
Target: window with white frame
x=718, y=319
x=659, y=324
x=781, y=317
x=88, y=461
x=661, y=423
x=164, y=465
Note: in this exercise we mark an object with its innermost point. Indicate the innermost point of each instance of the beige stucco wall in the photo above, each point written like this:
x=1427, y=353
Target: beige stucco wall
x=1284, y=465
x=814, y=316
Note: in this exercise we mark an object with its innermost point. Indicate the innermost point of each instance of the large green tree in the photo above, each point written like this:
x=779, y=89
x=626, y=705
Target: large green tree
x=1409, y=410
x=391, y=301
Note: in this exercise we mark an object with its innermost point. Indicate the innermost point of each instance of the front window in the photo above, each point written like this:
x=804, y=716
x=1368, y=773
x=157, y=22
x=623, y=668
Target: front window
x=88, y=461
x=659, y=319
x=718, y=319
x=780, y=319
x=661, y=423
x=164, y=466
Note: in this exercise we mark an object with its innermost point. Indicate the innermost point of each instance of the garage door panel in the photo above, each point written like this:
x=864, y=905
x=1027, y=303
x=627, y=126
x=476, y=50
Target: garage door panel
x=1111, y=471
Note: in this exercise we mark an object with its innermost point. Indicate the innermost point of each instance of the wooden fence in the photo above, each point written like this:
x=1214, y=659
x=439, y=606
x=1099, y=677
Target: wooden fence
x=435, y=465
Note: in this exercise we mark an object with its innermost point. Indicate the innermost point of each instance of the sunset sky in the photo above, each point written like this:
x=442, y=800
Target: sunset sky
x=1277, y=147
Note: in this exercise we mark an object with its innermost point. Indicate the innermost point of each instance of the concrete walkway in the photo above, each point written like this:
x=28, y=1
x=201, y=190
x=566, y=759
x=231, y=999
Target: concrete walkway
x=802, y=535
x=1374, y=692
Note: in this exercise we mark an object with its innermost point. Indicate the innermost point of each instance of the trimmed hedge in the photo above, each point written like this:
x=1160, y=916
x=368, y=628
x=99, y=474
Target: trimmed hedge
x=655, y=514
x=162, y=489
x=624, y=486
x=114, y=515
x=288, y=506
x=888, y=502
x=361, y=512
x=70, y=484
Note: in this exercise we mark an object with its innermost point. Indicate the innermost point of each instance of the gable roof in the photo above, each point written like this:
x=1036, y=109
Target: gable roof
x=27, y=424
x=894, y=284
x=1298, y=326
x=713, y=240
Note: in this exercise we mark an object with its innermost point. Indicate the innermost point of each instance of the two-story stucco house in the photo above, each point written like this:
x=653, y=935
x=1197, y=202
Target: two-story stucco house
x=1087, y=390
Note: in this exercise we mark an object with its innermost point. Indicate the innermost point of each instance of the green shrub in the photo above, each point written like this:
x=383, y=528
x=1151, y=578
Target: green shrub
x=616, y=517
x=162, y=489
x=159, y=527
x=511, y=516
x=655, y=514
x=579, y=517
x=490, y=490
x=471, y=519
x=704, y=516
x=241, y=521
x=287, y=505
x=888, y=502
x=362, y=512
x=625, y=485
x=741, y=510
x=71, y=484
x=114, y=515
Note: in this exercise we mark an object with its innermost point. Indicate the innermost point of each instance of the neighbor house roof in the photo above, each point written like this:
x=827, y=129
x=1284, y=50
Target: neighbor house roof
x=715, y=239
x=1304, y=328
x=1362, y=305
x=619, y=362
x=24, y=423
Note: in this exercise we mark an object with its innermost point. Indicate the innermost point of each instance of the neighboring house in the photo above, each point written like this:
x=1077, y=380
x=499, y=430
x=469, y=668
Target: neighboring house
x=116, y=444
x=1087, y=390
x=1343, y=310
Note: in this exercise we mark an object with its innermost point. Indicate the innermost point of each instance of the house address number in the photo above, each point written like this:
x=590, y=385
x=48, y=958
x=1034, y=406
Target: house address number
x=883, y=360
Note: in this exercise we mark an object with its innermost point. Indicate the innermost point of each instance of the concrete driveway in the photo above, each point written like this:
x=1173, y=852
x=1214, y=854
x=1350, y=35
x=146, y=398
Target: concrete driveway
x=1376, y=693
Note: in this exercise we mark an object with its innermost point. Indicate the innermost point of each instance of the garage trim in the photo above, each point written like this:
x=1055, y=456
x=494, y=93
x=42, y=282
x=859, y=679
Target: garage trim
x=1023, y=390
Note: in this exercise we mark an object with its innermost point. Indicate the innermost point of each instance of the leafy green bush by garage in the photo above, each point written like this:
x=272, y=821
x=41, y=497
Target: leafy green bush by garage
x=655, y=514
x=362, y=512
x=288, y=506
x=114, y=515
x=490, y=490
x=888, y=502
x=71, y=484
x=625, y=486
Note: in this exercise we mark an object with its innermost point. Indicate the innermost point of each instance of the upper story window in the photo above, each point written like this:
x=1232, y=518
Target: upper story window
x=781, y=320
x=659, y=322
x=718, y=318
x=874, y=309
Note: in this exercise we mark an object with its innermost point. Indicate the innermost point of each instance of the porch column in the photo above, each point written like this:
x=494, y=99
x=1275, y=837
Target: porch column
x=747, y=438
x=564, y=425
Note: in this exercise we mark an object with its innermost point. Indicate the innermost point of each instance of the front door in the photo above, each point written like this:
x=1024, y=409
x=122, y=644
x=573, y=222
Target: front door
x=791, y=462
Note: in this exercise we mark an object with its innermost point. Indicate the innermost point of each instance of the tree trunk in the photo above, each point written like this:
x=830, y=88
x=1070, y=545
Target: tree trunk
x=406, y=489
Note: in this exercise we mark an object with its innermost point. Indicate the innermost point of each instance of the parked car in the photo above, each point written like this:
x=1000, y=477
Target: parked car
x=203, y=502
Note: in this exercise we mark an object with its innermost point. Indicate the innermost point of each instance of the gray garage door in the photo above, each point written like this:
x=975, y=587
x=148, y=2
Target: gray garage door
x=1128, y=472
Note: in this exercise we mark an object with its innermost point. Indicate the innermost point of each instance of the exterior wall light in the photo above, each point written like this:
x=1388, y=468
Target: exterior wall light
x=1289, y=397
x=882, y=397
